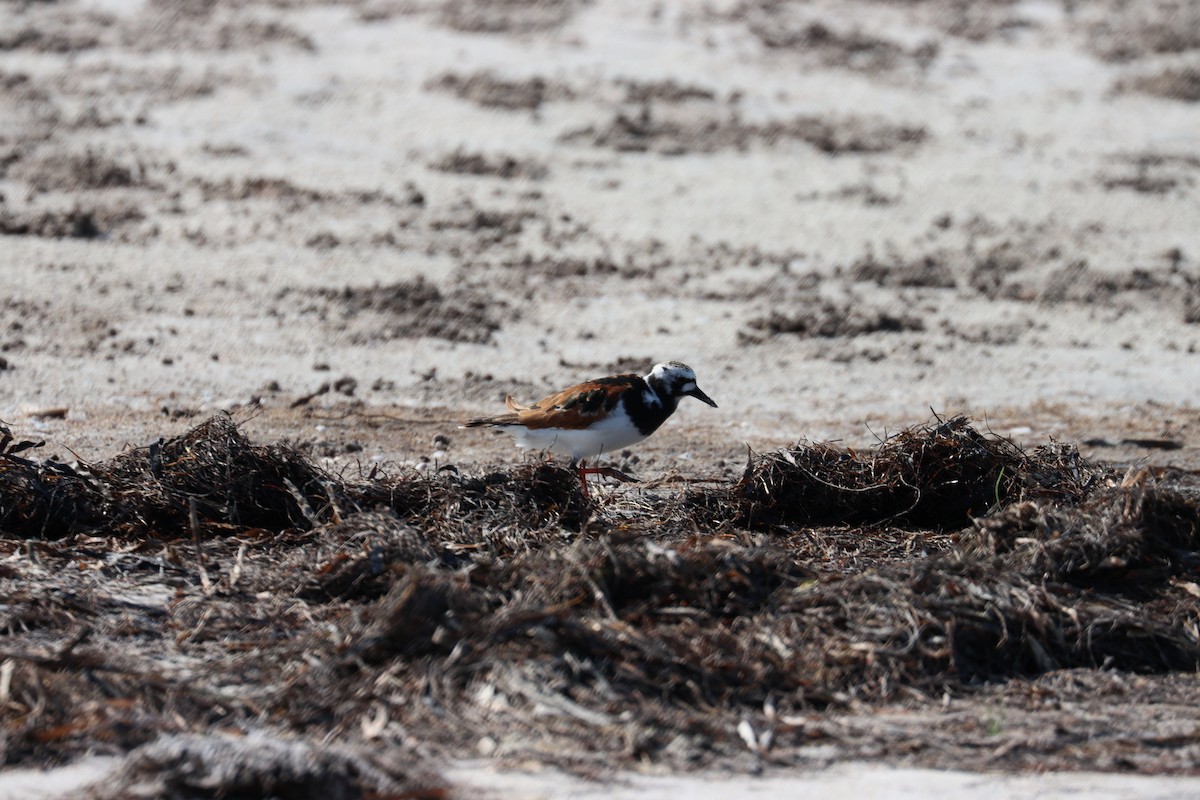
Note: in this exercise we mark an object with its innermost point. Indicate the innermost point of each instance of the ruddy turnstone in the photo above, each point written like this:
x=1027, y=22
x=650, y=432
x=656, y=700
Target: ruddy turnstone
x=598, y=416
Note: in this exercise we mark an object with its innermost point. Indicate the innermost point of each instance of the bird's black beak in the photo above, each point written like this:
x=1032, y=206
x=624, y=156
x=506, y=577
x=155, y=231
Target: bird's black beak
x=702, y=397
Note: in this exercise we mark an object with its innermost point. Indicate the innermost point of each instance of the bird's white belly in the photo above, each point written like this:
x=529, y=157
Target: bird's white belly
x=606, y=436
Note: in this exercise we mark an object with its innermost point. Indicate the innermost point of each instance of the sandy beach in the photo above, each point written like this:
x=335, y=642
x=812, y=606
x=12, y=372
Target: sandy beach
x=351, y=225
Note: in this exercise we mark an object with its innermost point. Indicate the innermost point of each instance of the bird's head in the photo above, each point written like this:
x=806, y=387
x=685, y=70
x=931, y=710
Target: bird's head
x=677, y=380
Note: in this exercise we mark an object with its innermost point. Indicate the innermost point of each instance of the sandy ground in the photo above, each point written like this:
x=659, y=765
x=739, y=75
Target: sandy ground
x=864, y=780
x=353, y=224
x=867, y=781
x=970, y=211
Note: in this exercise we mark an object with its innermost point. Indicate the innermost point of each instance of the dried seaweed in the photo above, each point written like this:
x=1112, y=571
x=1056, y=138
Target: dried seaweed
x=213, y=472
x=1132, y=535
x=258, y=765
x=935, y=476
x=44, y=498
x=213, y=477
x=504, y=612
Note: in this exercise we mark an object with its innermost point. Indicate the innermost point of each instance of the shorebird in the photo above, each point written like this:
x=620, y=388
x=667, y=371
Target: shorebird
x=598, y=416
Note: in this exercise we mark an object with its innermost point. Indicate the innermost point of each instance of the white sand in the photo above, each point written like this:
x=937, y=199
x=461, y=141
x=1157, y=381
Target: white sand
x=861, y=781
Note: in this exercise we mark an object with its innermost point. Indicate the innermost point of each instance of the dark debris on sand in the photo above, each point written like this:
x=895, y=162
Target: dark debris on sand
x=935, y=477
x=206, y=586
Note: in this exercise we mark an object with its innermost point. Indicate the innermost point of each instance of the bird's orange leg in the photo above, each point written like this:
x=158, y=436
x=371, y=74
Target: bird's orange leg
x=582, y=469
x=608, y=472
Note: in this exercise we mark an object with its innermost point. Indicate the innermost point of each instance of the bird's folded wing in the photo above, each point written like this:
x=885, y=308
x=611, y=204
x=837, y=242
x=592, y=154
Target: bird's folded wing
x=577, y=407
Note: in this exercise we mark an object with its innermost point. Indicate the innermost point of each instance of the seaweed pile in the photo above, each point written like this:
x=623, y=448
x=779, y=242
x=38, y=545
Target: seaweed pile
x=207, y=584
x=936, y=476
x=210, y=474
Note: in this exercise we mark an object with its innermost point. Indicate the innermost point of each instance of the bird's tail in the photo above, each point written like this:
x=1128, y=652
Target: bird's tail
x=488, y=422
x=503, y=419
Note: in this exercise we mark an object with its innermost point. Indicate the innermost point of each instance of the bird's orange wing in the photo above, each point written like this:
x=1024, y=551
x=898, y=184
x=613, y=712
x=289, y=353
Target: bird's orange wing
x=576, y=407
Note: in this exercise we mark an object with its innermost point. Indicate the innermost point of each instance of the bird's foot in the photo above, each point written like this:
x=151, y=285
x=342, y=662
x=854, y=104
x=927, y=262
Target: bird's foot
x=608, y=472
